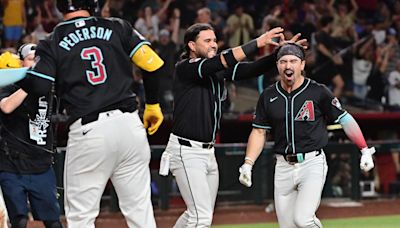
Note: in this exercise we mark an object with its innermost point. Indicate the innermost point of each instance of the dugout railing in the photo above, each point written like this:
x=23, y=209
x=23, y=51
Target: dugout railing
x=230, y=157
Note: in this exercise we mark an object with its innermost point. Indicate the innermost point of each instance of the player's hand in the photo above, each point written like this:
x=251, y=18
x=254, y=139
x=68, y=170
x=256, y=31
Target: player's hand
x=295, y=39
x=8, y=60
x=268, y=37
x=245, y=174
x=366, y=162
x=152, y=117
x=3, y=219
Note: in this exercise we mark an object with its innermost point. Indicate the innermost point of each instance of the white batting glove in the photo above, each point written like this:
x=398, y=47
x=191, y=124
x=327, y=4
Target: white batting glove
x=245, y=174
x=366, y=162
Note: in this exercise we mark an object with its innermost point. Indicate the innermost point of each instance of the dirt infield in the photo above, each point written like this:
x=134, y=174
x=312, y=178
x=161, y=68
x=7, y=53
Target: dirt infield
x=257, y=214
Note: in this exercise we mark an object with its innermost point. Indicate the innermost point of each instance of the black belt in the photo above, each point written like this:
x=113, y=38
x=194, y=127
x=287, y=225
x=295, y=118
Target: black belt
x=95, y=116
x=185, y=142
x=298, y=157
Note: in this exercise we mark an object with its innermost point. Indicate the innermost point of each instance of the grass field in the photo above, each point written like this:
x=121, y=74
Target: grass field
x=363, y=222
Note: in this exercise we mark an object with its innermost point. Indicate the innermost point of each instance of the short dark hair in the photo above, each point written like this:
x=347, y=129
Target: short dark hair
x=191, y=35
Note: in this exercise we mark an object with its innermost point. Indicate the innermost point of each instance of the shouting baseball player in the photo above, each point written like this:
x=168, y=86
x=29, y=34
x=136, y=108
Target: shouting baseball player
x=90, y=61
x=295, y=110
x=198, y=91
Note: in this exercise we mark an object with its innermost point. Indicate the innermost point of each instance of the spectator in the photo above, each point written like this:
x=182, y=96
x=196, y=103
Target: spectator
x=240, y=27
x=343, y=20
x=394, y=88
x=204, y=16
x=149, y=24
x=377, y=80
x=362, y=67
x=14, y=21
x=167, y=48
x=327, y=60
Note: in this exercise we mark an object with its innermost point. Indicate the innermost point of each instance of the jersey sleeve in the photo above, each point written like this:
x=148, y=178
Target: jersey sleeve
x=330, y=105
x=246, y=70
x=200, y=68
x=7, y=91
x=40, y=77
x=260, y=119
x=132, y=39
x=45, y=62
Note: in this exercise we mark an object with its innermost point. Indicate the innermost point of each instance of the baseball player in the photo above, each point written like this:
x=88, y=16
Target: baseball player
x=296, y=110
x=26, y=153
x=90, y=61
x=198, y=92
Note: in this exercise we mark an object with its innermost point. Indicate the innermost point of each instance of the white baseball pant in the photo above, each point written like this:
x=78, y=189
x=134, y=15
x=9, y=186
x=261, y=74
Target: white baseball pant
x=298, y=190
x=196, y=173
x=114, y=147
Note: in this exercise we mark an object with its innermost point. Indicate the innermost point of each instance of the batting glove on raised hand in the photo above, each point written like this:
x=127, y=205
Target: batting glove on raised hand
x=152, y=117
x=366, y=162
x=245, y=174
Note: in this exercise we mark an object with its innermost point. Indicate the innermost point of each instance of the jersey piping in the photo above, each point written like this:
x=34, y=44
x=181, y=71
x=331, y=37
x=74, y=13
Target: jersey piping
x=137, y=47
x=286, y=108
x=292, y=119
x=41, y=75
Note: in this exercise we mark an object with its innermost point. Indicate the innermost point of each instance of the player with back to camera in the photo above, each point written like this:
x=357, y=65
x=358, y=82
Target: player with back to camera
x=295, y=110
x=90, y=61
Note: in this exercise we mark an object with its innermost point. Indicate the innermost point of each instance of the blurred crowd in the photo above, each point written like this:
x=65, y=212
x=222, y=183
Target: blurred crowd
x=353, y=44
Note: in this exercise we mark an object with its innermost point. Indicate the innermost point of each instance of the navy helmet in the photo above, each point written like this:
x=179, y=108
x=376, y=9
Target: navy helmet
x=68, y=6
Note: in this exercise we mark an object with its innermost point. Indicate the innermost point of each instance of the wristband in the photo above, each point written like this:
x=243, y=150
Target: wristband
x=250, y=47
x=250, y=160
x=229, y=57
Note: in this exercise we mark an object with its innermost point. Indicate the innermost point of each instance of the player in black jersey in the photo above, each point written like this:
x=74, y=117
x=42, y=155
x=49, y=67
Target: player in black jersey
x=198, y=92
x=90, y=61
x=26, y=153
x=296, y=110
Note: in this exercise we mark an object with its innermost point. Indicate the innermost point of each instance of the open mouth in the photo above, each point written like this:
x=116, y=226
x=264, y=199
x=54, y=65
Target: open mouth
x=289, y=74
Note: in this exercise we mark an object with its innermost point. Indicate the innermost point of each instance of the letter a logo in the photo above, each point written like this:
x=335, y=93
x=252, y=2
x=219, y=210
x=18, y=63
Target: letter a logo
x=306, y=112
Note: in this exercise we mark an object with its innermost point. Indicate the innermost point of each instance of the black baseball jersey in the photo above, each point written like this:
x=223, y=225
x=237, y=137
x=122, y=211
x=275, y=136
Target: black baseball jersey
x=24, y=133
x=199, y=91
x=298, y=120
x=89, y=59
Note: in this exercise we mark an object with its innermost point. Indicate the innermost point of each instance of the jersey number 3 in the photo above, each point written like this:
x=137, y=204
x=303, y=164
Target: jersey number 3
x=98, y=74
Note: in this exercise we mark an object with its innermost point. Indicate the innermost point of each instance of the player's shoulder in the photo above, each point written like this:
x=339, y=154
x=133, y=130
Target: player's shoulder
x=315, y=85
x=117, y=21
x=182, y=62
x=269, y=91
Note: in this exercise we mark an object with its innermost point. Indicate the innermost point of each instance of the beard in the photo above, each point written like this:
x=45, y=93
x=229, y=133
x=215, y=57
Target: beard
x=209, y=53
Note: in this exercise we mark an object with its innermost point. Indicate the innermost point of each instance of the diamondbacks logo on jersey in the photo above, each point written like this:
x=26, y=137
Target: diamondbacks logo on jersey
x=336, y=103
x=306, y=112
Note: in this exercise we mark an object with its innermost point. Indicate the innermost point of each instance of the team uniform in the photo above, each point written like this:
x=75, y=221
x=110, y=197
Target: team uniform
x=297, y=121
x=26, y=160
x=89, y=60
x=198, y=93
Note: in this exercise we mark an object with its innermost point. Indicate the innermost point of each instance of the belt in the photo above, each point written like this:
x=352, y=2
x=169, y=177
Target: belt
x=91, y=117
x=300, y=157
x=191, y=143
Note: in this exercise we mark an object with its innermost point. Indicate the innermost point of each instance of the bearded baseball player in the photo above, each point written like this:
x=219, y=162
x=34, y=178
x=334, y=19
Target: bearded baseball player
x=295, y=110
x=90, y=61
x=198, y=91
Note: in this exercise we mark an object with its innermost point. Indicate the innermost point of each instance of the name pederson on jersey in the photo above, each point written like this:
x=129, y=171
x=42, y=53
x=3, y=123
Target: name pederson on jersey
x=89, y=59
x=297, y=120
